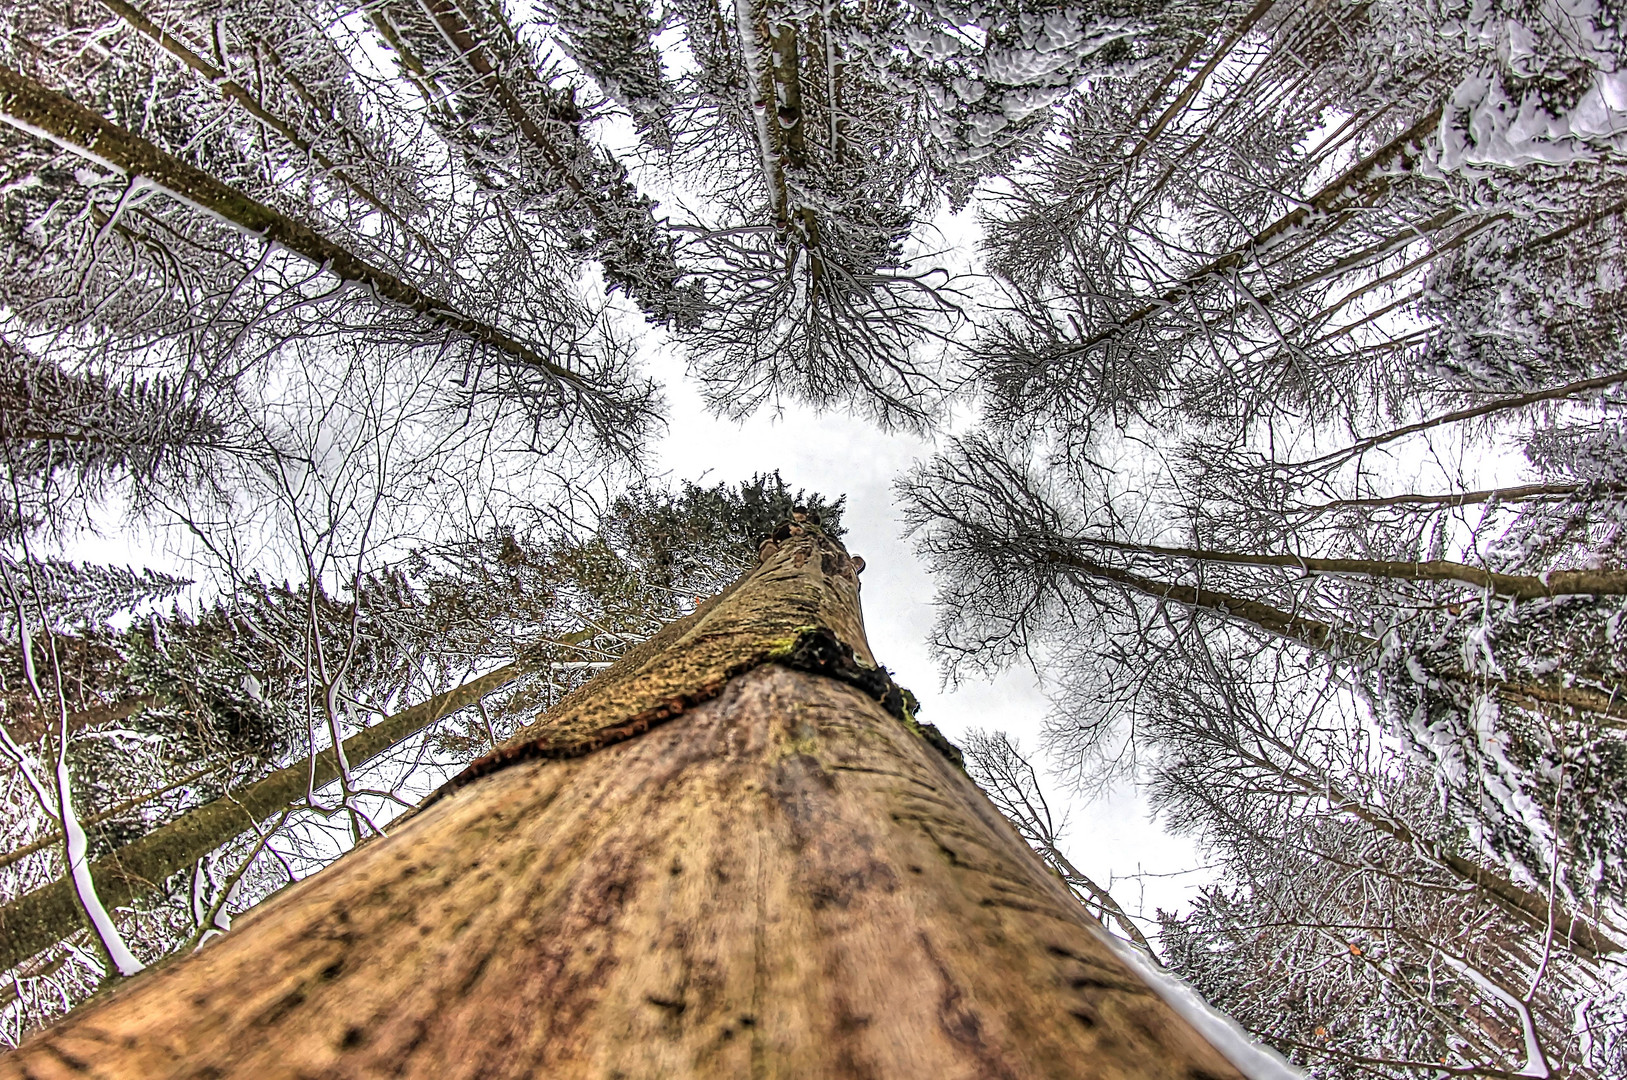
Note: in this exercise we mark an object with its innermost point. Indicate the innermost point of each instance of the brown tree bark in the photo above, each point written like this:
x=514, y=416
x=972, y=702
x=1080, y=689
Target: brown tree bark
x=733, y=854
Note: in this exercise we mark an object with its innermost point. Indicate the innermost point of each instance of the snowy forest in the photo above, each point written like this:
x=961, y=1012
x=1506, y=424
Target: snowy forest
x=1272, y=359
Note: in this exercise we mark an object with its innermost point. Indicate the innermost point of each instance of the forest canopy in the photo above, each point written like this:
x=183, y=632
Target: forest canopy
x=1273, y=415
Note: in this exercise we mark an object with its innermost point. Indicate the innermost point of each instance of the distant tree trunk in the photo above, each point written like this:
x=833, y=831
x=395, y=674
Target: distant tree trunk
x=1540, y=911
x=1195, y=84
x=1320, y=635
x=622, y=233
x=1575, y=389
x=39, y=919
x=31, y=727
x=735, y=853
x=40, y=111
x=1519, y=493
x=1360, y=185
x=245, y=97
x=1610, y=582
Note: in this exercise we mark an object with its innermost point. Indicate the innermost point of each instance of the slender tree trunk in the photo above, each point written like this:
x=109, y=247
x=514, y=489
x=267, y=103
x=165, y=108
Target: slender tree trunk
x=51, y=839
x=1447, y=501
x=733, y=854
x=38, y=920
x=1315, y=634
x=753, y=33
x=1361, y=184
x=624, y=235
x=1287, y=624
x=33, y=726
x=1077, y=878
x=1611, y=706
x=45, y=113
x=1518, y=586
x=1190, y=91
x=1472, y=412
x=228, y=87
x=564, y=160
x=1535, y=909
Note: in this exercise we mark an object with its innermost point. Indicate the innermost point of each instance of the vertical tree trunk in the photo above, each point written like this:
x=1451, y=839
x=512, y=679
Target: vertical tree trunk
x=733, y=854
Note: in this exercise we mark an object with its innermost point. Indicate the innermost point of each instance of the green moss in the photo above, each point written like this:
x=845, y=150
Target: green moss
x=927, y=733
x=912, y=705
x=782, y=647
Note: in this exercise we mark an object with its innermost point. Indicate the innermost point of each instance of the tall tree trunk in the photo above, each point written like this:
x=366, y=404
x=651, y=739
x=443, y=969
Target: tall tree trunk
x=633, y=248
x=1078, y=880
x=1360, y=186
x=52, y=839
x=732, y=854
x=1539, y=911
x=1340, y=640
x=45, y=113
x=1519, y=586
x=40, y=919
x=1190, y=91
x=1575, y=389
x=1286, y=624
x=345, y=172
x=33, y=726
x=1445, y=500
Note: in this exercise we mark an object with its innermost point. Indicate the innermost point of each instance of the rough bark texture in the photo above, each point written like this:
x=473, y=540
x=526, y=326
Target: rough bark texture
x=781, y=879
x=807, y=586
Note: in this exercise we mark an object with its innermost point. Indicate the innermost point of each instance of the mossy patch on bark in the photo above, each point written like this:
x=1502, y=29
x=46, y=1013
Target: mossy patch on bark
x=799, y=608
